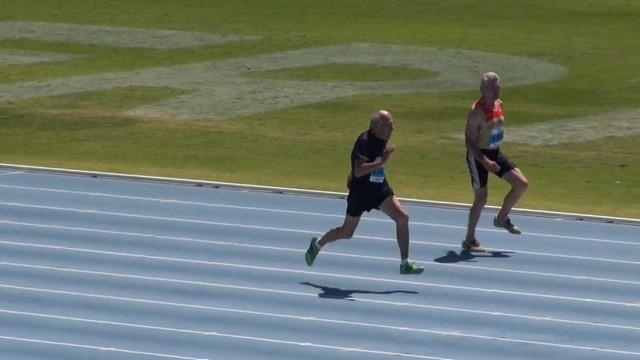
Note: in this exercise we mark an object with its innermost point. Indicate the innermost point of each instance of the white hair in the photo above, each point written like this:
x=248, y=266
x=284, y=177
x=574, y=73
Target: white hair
x=487, y=78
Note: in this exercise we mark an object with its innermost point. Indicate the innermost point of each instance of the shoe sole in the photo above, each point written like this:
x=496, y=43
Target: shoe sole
x=475, y=249
x=510, y=230
x=308, y=258
x=479, y=249
x=514, y=232
x=416, y=272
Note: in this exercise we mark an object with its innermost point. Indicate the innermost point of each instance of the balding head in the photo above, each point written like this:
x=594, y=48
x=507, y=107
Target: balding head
x=381, y=124
x=380, y=116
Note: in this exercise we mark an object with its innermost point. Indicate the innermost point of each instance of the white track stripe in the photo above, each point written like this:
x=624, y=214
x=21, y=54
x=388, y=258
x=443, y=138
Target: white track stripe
x=294, y=271
x=324, y=320
x=275, y=228
x=315, y=295
x=294, y=212
x=100, y=348
x=11, y=173
x=252, y=338
x=275, y=248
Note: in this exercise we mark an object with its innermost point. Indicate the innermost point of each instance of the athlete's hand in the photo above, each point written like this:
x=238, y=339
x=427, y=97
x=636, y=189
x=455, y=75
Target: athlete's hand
x=387, y=152
x=491, y=166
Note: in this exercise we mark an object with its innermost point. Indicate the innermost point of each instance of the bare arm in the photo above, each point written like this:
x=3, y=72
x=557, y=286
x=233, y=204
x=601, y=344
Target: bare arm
x=362, y=167
x=474, y=120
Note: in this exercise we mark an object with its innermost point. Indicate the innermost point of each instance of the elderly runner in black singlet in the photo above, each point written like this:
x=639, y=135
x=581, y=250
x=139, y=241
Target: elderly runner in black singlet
x=369, y=189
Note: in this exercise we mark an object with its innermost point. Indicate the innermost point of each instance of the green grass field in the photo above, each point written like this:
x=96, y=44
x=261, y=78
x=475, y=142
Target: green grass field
x=308, y=146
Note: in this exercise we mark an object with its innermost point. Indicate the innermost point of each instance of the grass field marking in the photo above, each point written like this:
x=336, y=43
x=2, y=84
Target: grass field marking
x=228, y=94
x=121, y=37
x=219, y=91
x=17, y=57
x=574, y=130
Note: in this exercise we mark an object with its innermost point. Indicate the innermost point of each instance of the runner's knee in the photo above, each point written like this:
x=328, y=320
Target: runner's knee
x=481, y=198
x=522, y=184
x=344, y=232
x=403, y=218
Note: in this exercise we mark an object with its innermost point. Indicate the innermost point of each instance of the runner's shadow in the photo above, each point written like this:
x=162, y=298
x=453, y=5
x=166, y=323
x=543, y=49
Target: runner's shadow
x=337, y=293
x=464, y=255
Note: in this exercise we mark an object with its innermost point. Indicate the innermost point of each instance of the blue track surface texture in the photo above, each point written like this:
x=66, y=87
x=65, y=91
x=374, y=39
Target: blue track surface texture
x=95, y=268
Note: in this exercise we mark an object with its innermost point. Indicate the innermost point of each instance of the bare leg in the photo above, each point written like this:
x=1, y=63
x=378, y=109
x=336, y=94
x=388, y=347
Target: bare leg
x=479, y=201
x=342, y=232
x=519, y=184
x=392, y=207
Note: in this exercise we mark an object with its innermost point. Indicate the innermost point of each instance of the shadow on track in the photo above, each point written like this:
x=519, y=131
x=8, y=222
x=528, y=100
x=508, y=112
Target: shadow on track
x=340, y=294
x=454, y=257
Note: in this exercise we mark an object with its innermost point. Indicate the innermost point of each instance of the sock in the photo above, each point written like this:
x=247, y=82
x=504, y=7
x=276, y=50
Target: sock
x=317, y=244
x=404, y=261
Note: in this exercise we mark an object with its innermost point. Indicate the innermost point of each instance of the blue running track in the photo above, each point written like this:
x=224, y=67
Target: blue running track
x=101, y=268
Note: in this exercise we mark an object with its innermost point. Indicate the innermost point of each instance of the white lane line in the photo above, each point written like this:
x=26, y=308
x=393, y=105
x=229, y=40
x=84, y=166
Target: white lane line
x=545, y=318
x=329, y=253
x=242, y=337
x=100, y=348
x=281, y=229
x=313, y=273
x=295, y=212
x=323, y=320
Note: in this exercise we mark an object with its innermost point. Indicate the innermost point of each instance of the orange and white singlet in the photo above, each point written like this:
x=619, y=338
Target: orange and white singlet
x=492, y=129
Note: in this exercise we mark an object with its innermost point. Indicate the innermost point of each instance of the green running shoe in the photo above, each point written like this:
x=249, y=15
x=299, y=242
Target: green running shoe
x=312, y=252
x=411, y=268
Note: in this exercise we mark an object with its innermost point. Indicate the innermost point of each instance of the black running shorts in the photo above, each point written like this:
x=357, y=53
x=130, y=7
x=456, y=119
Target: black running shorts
x=360, y=201
x=480, y=175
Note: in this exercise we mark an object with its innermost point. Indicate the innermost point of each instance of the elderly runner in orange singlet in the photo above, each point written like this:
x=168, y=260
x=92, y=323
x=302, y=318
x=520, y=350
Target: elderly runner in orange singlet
x=483, y=136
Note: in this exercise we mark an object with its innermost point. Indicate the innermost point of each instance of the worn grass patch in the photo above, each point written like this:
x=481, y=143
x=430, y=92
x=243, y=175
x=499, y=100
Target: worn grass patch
x=345, y=72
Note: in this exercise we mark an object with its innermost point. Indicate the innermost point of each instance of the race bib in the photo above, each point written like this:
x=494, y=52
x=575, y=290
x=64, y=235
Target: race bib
x=496, y=137
x=377, y=175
